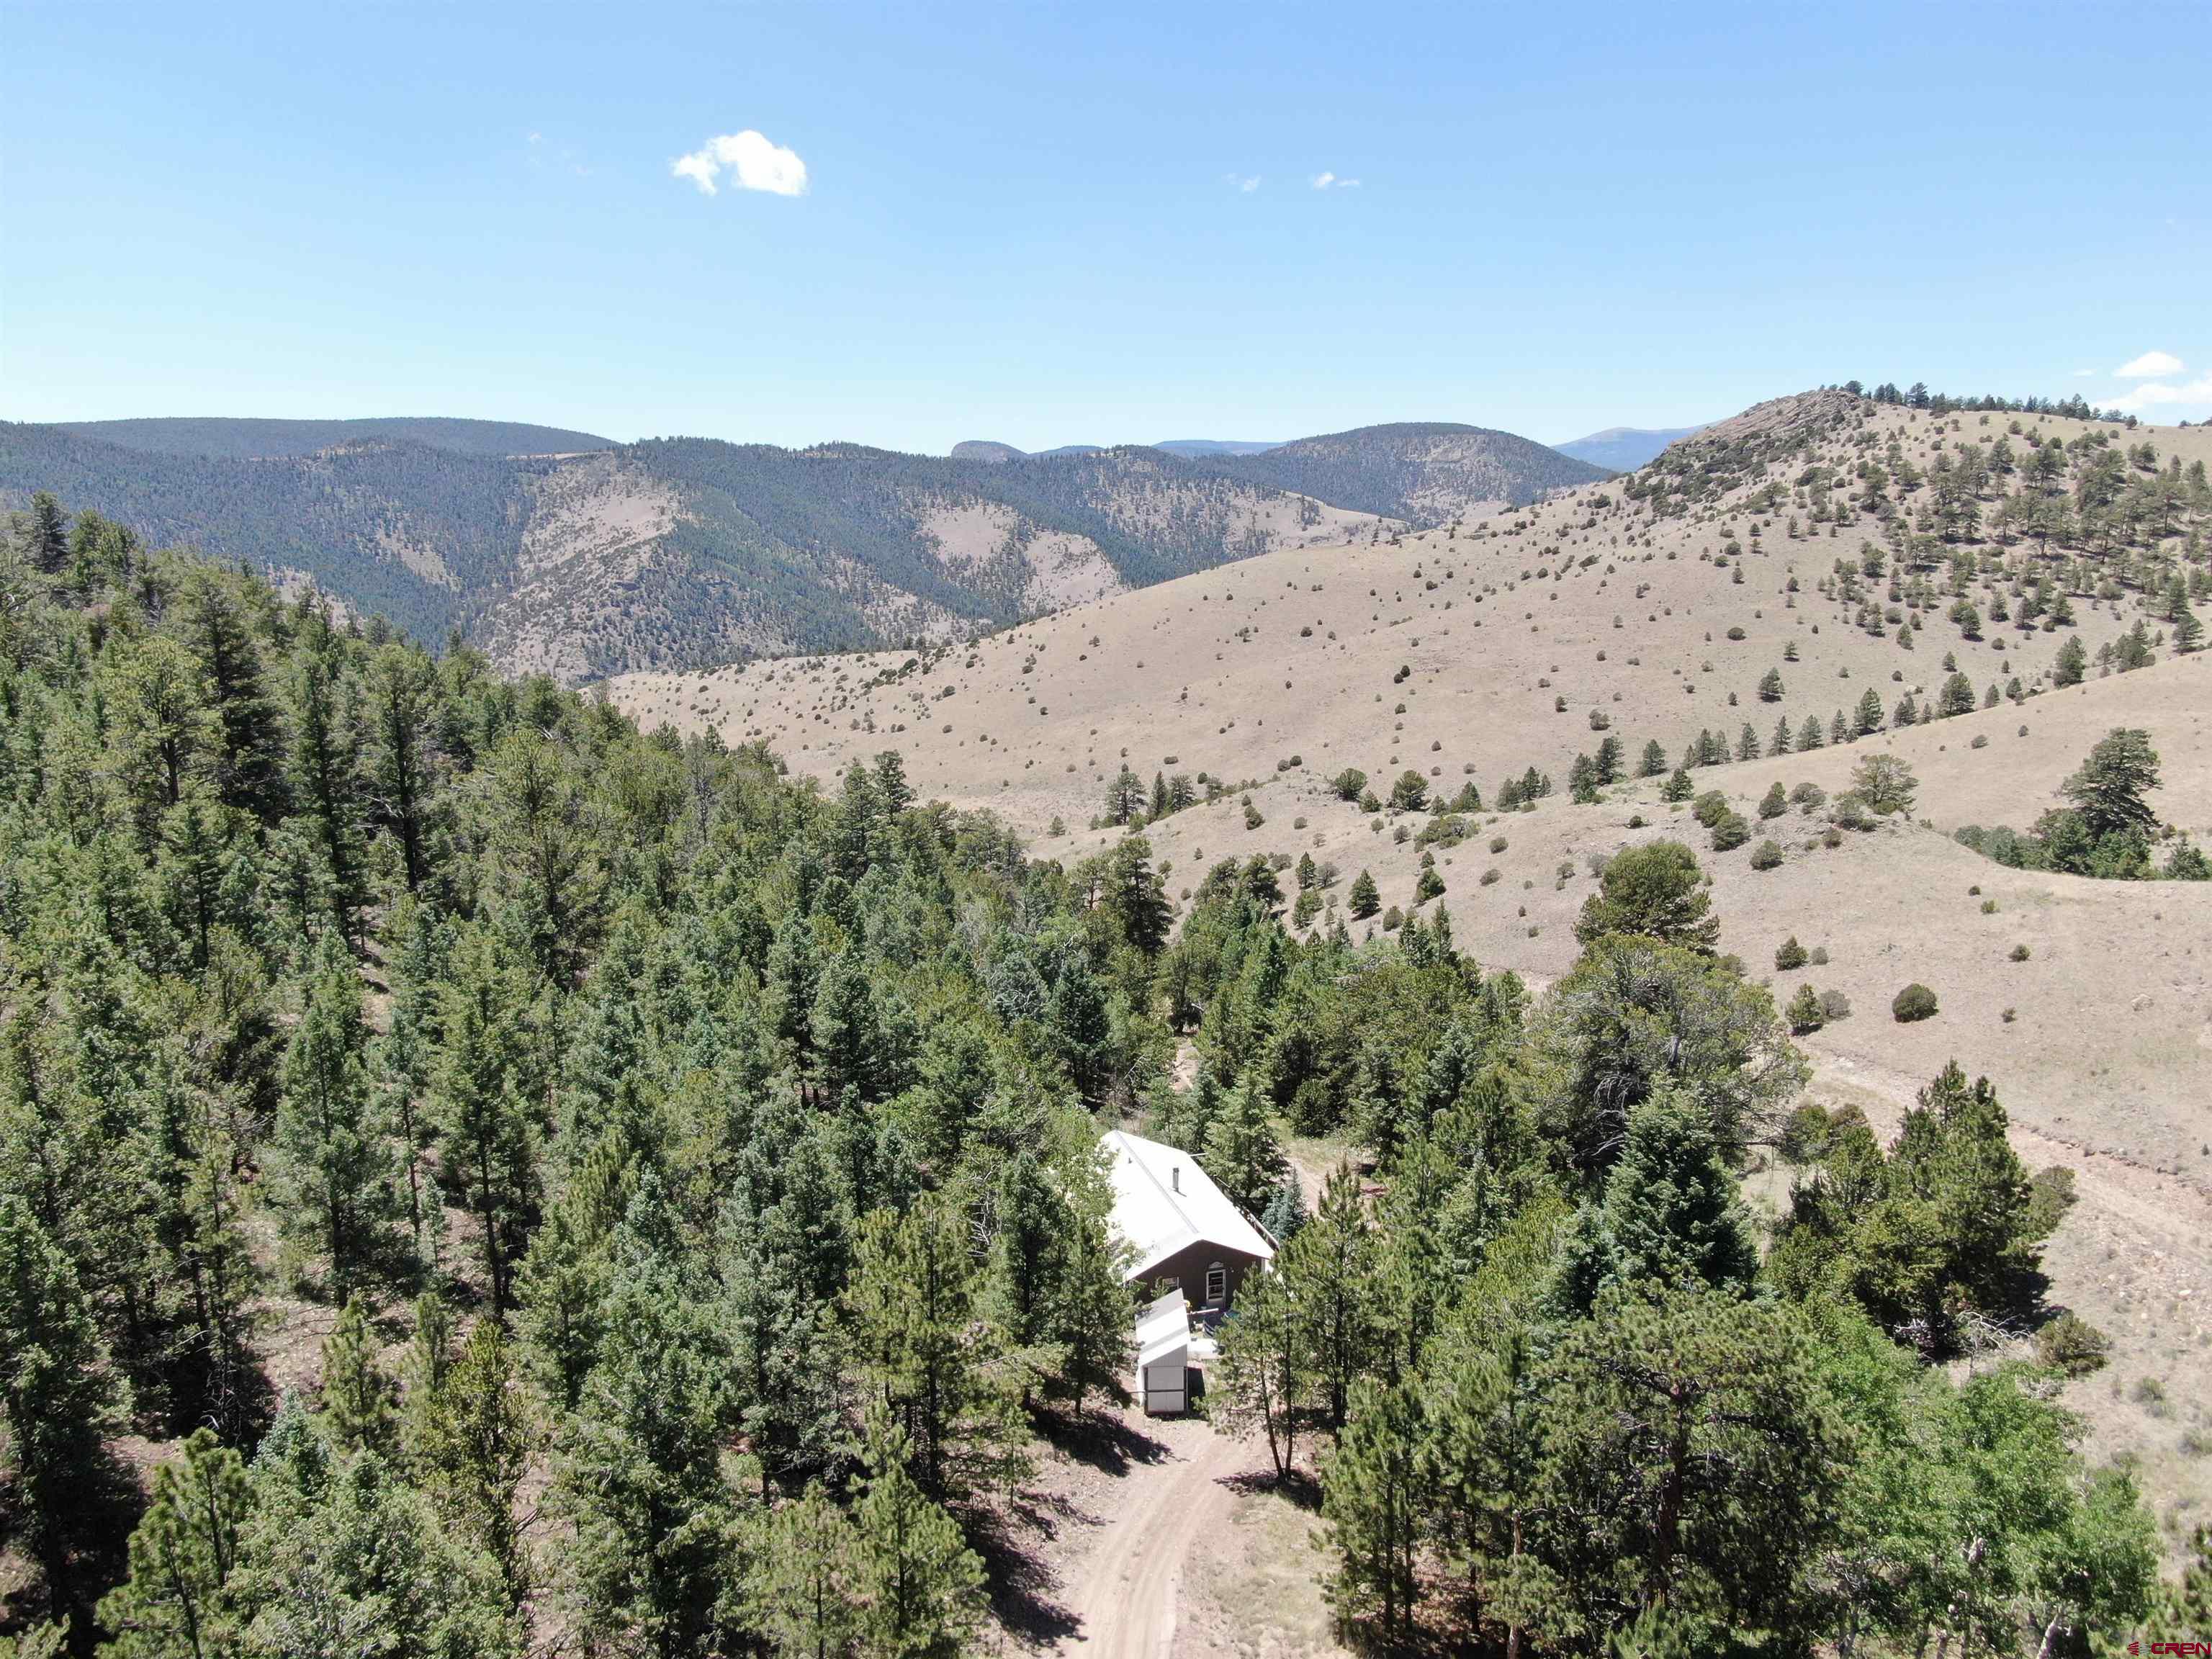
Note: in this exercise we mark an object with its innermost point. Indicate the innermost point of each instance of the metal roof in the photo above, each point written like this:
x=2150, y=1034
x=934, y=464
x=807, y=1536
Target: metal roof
x=1163, y=1328
x=1163, y=1203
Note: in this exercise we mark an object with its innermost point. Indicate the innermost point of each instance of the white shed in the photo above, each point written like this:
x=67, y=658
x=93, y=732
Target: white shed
x=1164, y=1354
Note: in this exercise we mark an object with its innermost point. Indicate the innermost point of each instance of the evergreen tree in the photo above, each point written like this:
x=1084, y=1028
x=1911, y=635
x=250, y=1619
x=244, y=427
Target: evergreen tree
x=1370, y=1493
x=639, y=1474
x=920, y=1587
x=1656, y=889
x=481, y=1101
x=1241, y=1153
x=1364, y=900
x=921, y=1353
x=359, y=1405
x=334, y=1171
x=61, y=1398
x=801, y=1593
x=177, y=1602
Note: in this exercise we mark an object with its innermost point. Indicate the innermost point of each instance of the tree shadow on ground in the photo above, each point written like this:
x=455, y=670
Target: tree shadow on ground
x=1105, y=1440
x=1023, y=1590
x=1298, y=1488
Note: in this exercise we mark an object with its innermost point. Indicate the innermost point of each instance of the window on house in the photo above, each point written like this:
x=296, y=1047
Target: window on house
x=1217, y=1284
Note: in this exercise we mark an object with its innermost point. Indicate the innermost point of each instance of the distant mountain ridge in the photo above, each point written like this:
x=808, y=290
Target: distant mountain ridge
x=1625, y=448
x=222, y=436
x=1426, y=472
x=562, y=552
x=989, y=449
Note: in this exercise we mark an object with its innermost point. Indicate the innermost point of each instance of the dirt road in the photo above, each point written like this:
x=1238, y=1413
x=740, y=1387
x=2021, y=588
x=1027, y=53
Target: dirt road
x=1126, y=1593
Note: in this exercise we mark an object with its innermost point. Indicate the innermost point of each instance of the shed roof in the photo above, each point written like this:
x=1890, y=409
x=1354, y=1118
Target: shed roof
x=1163, y=1203
x=1163, y=1328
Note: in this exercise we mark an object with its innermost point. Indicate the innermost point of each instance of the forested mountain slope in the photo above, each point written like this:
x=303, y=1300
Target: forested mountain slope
x=674, y=551
x=241, y=438
x=479, y=1178
x=1425, y=472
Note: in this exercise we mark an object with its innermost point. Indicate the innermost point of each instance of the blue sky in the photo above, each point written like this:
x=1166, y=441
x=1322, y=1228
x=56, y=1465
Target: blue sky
x=1058, y=223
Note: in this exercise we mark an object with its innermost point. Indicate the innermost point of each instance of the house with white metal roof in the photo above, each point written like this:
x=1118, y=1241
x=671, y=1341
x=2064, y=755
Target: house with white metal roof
x=1183, y=1232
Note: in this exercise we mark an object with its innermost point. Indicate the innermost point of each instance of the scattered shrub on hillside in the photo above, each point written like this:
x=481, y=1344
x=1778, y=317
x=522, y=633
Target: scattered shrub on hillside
x=2071, y=1345
x=1835, y=1006
x=2019, y=953
x=1766, y=855
x=1773, y=803
x=2050, y=1195
x=1789, y=954
x=1805, y=1013
x=1807, y=1131
x=1915, y=1002
x=1731, y=832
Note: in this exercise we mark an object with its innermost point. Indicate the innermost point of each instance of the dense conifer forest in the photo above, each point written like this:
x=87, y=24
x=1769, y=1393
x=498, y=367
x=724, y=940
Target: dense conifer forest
x=479, y=1179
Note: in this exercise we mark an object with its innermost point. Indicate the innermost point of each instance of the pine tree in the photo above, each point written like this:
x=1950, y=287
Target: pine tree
x=639, y=1475
x=921, y=1352
x=250, y=773
x=402, y=723
x=1365, y=899
x=472, y=1442
x=1264, y=1379
x=1654, y=762
x=326, y=784
x=334, y=1170
x=1372, y=1504
x=360, y=1409
x=177, y=1602
x=61, y=1398
x=47, y=536
x=1670, y=1216
x=2072, y=664
x=1328, y=1271
x=1241, y=1153
x=1808, y=735
x=480, y=1099
x=801, y=1592
x=920, y=1588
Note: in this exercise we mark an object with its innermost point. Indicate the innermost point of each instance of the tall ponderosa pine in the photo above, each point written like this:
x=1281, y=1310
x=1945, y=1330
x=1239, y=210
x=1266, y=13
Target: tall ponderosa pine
x=335, y=1168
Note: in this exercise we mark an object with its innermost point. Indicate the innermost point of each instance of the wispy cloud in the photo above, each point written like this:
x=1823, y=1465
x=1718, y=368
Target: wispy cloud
x=1245, y=183
x=750, y=162
x=2156, y=394
x=2150, y=363
x=2084, y=373
x=1330, y=181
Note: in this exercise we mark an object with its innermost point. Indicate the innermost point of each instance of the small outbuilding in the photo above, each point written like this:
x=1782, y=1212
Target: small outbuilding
x=1163, y=1355
x=1184, y=1233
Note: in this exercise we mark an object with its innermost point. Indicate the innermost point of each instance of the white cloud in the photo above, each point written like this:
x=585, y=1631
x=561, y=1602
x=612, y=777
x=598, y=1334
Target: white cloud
x=752, y=162
x=2155, y=394
x=1246, y=183
x=2150, y=363
x=2084, y=373
x=1330, y=181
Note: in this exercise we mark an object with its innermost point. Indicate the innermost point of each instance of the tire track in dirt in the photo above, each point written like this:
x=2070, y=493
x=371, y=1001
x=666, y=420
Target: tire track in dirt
x=1126, y=1599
